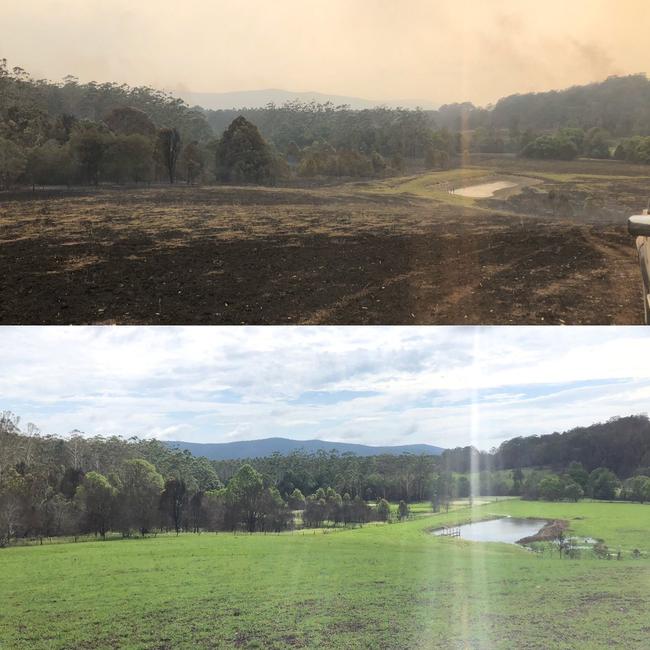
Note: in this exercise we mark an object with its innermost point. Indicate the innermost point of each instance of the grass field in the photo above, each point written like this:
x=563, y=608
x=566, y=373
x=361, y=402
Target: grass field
x=398, y=250
x=381, y=586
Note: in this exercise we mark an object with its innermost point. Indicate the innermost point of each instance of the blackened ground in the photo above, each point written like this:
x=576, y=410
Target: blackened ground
x=234, y=255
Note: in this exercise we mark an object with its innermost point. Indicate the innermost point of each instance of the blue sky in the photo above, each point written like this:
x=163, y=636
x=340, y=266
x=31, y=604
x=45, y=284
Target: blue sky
x=446, y=386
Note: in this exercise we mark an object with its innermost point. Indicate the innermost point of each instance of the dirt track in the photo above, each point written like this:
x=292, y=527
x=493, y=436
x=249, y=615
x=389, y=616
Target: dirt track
x=233, y=255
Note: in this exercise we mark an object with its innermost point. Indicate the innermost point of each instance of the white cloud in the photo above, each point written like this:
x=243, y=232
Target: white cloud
x=441, y=385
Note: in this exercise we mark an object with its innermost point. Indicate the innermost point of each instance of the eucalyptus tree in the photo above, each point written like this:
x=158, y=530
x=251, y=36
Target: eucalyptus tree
x=98, y=503
x=140, y=493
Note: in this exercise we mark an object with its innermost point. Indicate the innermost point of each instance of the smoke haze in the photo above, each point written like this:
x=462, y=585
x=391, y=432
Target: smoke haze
x=439, y=51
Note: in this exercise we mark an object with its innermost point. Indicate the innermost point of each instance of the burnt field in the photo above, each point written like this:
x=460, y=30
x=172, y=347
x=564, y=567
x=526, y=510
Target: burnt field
x=555, y=250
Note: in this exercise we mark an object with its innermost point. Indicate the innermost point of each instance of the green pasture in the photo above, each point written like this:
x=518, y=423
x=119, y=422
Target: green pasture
x=379, y=586
x=619, y=525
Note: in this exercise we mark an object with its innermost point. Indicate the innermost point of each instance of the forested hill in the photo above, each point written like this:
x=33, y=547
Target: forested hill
x=269, y=446
x=622, y=444
x=620, y=105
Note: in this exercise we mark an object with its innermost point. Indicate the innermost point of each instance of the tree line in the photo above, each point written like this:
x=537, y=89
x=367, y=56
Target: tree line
x=73, y=133
x=588, y=121
x=576, y=483
x=619, y=106
x=51, y=486
x=394, y=477
x=78, y=484
x=296, y=125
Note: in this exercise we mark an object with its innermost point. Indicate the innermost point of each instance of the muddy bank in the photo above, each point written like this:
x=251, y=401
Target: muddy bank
x=547, y=533
x=501, y=188
x=563, y=204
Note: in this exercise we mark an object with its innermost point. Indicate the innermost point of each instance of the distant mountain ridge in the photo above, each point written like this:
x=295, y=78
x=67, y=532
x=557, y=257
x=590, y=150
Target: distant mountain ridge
x=260, y=98
x=268, y=446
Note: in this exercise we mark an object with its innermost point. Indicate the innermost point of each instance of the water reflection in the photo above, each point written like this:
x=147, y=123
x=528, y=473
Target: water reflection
x=508, y=530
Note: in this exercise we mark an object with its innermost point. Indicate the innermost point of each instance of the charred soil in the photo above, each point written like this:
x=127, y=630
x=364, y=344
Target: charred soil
x=325, y=255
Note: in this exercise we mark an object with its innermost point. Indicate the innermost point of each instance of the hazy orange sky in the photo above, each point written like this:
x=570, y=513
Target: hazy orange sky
x=438, y=51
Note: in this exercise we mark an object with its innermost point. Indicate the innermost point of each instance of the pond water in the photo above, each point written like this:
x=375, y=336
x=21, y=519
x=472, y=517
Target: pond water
x=506, y=529
x=483, y=191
